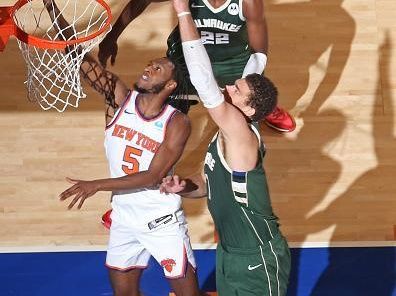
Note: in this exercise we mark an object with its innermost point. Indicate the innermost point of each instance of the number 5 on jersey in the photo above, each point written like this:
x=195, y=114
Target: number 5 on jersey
x=130, y=155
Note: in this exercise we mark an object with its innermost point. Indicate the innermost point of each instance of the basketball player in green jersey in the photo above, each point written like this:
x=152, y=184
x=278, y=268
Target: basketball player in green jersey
x=253, y=258
x=234, y=33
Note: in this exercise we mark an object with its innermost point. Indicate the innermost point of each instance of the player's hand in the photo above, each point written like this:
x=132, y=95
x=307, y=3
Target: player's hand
x=81, y=190
x=172, y=184
x=107, y=48
x=47, y=2
x=181, y=6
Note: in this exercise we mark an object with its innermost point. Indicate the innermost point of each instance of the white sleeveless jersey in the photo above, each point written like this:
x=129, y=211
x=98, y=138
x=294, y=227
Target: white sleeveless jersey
x=131, y=141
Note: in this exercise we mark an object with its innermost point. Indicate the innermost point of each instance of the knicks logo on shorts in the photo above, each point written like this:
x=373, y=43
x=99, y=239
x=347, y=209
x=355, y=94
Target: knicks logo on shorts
x=168, y=264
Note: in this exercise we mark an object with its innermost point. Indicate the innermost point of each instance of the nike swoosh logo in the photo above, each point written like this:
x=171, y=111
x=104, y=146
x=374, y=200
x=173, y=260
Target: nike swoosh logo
x=197, y=6
x=127, y=112
x=254, y=267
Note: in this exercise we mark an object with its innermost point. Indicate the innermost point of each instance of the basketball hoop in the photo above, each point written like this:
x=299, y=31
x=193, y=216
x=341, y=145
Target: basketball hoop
x=53, y=54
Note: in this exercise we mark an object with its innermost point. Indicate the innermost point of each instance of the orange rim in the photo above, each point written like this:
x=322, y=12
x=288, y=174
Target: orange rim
x=50, y=44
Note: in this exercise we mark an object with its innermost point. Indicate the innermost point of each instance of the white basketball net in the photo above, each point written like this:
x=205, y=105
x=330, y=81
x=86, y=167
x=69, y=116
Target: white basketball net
x=53, y=78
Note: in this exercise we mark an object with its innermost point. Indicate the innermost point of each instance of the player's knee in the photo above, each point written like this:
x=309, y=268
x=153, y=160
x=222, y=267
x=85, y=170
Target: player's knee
x=125, y=283
x=125, y=290
x=187, y=285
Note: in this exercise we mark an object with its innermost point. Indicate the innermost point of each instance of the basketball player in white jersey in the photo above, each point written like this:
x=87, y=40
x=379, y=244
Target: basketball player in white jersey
x=143, y=141
x=235, y=36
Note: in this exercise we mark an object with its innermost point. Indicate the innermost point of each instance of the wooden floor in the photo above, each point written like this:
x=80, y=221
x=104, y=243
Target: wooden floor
x=332, y=180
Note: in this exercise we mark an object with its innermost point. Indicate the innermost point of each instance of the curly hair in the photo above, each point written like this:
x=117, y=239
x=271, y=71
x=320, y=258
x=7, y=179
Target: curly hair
x=263, y=97
x=179, y=97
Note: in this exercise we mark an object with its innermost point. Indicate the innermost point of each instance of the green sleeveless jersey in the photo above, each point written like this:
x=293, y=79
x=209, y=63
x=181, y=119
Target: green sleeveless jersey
x=239, y=202
x=224, y=34
x=223, y=29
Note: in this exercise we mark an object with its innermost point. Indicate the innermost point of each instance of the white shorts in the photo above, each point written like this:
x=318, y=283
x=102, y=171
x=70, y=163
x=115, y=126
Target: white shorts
x=131, y=246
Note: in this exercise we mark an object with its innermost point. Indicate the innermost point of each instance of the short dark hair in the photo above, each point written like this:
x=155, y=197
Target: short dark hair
x=263, y=97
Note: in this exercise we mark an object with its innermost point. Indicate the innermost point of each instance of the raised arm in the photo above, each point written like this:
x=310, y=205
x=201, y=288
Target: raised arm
x=228, y=118
x=253, y=11
x=104, y=82
x=108, y=47
x=168, y=154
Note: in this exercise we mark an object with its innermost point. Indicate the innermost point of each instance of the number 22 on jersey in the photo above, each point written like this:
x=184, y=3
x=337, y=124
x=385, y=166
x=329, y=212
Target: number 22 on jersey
x=214, y=38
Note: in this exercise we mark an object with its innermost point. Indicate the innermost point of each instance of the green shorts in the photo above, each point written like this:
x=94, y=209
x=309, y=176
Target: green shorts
x=225, y=72
x=256, y=272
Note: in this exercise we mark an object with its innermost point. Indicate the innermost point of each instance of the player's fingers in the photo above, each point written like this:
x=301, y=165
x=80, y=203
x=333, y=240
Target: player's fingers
x=82, y=200
x=72, y=181
x=114, y=54
x=176, y=179
x=67, y=193
x=102, y=55
x=167, y=179
x=102, y=58
x=162, y=189
x=75, y=199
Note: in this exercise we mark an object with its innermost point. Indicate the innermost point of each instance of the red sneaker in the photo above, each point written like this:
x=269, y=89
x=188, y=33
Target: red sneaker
x=280, y=120
x=106, y=220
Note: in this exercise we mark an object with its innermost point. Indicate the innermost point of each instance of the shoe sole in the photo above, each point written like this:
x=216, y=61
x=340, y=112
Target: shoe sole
x=106, y=226
x=280, y=129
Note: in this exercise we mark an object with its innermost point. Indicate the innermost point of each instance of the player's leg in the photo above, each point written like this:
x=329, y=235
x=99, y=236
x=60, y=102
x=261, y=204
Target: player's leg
x=223, y=285
x=186, y=285
x=175, y=254
x=257, y=272
x=126, y=258
x=125, y=283
x=280, y=250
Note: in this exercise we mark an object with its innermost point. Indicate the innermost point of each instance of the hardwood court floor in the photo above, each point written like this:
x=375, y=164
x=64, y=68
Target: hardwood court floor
x=332, y=180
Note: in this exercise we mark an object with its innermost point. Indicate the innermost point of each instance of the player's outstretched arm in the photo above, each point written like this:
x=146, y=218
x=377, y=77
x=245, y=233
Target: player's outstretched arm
x=103, y=81
x=108, y=48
